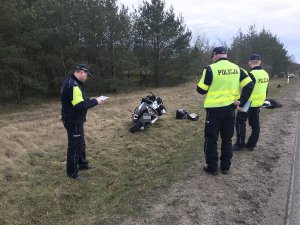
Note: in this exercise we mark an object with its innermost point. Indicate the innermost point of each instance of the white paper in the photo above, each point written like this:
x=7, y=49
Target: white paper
x=246, y=106
x=103, y=98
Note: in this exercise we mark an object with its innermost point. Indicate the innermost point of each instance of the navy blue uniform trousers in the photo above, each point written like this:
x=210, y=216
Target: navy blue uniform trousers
x=218, y=122
x=253, y=118
x=76, y=148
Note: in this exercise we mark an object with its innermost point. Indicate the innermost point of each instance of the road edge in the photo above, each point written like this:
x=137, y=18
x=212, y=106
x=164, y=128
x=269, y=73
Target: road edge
x=292, y=176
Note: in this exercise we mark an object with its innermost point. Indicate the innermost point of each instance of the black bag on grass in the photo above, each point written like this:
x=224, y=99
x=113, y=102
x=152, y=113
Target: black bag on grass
x=183, y=114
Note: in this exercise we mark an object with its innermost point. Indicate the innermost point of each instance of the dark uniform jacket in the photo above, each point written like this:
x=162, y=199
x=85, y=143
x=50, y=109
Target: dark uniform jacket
x=74, y=101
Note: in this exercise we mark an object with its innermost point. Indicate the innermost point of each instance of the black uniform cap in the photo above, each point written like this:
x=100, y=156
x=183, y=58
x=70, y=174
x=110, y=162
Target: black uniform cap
x=254, y=57
x=218, y=50
x=86, y=68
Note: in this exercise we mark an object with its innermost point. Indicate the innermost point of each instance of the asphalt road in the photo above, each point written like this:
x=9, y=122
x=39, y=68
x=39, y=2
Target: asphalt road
x=293, y=208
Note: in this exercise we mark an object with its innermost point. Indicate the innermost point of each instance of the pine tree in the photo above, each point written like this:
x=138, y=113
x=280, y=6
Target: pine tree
x=161, y=37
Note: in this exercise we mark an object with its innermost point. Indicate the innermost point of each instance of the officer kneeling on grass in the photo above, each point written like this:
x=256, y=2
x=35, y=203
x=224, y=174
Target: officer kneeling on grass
x=221, y=82
x=74, y=109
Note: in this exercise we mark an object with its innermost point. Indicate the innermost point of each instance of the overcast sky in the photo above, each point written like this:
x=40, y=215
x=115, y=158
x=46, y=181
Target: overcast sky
x=220, y=20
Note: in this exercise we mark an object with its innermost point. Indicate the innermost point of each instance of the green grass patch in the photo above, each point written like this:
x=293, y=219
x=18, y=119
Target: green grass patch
x=131, y=170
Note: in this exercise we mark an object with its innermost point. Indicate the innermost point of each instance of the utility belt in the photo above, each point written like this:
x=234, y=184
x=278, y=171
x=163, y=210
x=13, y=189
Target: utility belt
x=66, y=119
x=230, y=107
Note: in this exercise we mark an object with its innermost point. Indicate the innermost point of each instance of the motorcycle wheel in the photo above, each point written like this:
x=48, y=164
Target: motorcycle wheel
x=136, y=126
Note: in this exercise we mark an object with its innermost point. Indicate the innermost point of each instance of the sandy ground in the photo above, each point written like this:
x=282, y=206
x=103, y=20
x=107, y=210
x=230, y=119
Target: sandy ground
x=254, y=192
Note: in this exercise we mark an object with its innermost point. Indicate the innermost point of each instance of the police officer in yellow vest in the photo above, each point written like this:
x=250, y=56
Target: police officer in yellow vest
x=261, y=80
x=221, y=82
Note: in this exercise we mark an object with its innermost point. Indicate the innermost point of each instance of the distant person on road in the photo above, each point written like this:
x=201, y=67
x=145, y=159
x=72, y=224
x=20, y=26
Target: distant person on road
x=221, y=82
x=74, y=109
x=260, y=79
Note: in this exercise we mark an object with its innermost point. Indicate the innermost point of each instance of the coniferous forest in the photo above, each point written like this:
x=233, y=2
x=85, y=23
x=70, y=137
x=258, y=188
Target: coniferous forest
x=42, y=40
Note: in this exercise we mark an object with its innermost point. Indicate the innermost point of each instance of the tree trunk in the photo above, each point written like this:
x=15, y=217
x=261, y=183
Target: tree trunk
x=157, y=62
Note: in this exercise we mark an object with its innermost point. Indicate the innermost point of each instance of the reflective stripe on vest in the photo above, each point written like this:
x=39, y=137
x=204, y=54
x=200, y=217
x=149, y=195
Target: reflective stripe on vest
x=77, y=96
x=258, y=95
x=225, y=86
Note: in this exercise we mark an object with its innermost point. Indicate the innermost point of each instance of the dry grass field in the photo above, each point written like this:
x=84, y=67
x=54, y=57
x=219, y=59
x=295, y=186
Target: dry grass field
x=132, y=170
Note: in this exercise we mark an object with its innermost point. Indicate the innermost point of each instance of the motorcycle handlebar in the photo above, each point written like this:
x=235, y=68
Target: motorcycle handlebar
x=151, y=93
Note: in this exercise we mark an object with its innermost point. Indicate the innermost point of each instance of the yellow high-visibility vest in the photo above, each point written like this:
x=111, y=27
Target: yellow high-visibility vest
x=225, y=86
x=258, y=95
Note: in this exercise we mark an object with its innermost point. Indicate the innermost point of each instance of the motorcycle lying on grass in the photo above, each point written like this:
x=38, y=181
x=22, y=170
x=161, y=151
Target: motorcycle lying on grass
x=150, y=109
